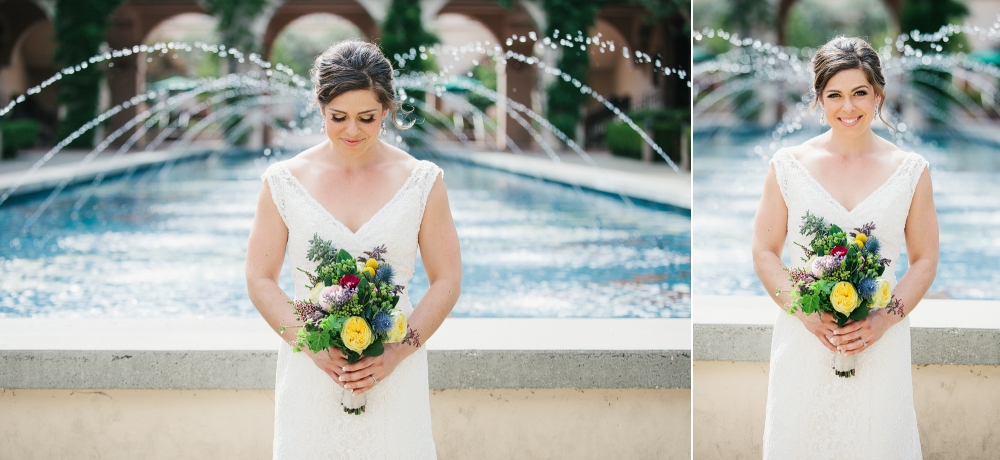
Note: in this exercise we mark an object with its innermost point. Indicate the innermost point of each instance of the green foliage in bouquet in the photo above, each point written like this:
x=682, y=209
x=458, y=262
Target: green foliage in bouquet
x=349, y=308
x=840, y=276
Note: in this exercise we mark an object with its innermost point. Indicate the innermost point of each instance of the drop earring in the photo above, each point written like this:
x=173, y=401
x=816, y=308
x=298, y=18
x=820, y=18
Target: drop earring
x=384, y=132
x=822, y=119
x=322, y=128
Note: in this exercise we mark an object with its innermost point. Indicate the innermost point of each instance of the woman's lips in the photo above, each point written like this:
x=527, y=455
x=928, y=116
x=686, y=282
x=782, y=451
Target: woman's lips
x=352, y=143
x=849, y=121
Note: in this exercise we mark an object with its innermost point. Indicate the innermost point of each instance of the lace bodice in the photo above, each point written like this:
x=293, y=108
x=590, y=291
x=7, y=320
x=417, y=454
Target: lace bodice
x=395, y=225
x=811, y=413
x=888, y=206
x=309, y=421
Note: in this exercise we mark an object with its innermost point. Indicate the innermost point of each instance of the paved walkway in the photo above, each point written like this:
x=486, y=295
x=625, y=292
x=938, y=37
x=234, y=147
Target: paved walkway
x=17, y=177
x=652, y=182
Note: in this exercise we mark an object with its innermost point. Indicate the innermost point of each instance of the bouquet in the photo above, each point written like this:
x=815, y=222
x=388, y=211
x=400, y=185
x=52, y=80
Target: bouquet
x=351, y=307
x=842, y=276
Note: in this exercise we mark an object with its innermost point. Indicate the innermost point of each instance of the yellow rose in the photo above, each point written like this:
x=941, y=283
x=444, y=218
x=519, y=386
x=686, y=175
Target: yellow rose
x=882, y=295
x=370, y=271
x=372, y=264
x=398, y=330
x=356, y=334
x=844, y=298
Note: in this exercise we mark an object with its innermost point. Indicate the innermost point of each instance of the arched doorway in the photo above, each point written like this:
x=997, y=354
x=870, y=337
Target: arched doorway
x=301, y=40
x=290, y=11
x=27, y=50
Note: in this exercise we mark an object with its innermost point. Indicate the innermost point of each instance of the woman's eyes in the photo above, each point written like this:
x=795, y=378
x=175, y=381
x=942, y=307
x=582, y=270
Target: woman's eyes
x=861, y=93
x=363, y=120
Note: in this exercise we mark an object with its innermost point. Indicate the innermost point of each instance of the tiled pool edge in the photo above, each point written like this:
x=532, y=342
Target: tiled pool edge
x=566, y=362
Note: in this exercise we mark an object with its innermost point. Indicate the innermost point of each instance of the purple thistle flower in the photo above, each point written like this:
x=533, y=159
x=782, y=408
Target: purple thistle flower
x=382, y=322
x=867, y=287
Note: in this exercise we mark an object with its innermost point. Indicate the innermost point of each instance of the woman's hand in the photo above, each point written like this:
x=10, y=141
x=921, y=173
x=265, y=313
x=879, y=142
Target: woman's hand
x=856, y=336
x=331, y=361
x=358, y=376
x=822, y=325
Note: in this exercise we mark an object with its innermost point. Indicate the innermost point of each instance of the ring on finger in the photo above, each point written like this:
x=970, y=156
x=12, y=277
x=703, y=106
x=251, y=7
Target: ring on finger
x=374, y=380
x=864, y=344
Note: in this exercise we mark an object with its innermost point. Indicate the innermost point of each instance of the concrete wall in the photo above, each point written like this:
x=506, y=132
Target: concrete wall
x=958, y=410
x=238, y=424
x=501, y=388
x=956, y=376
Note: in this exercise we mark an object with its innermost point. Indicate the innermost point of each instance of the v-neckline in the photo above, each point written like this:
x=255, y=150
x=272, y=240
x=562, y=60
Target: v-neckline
x=311, y=198
x=861, y=203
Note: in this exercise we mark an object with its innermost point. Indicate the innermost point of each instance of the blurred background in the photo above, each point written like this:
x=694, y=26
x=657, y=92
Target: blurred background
x=751, y=84
x=134, y=133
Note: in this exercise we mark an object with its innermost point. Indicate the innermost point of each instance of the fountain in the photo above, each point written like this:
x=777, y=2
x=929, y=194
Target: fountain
x=732, y=154
x=161, y=220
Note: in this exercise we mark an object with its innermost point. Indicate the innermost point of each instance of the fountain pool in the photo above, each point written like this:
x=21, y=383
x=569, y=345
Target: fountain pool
x=729, y=178
x=170, y=242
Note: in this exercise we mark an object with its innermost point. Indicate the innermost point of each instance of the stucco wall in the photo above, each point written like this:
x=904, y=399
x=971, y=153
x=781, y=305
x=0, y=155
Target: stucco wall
x=238, y=424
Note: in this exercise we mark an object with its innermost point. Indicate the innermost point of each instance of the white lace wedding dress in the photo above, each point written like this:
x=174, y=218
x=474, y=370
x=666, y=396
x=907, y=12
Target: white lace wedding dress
x=309, y=422
x=812, y=413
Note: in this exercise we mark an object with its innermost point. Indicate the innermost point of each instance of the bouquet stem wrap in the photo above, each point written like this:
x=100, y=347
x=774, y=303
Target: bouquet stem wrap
x=353, y=404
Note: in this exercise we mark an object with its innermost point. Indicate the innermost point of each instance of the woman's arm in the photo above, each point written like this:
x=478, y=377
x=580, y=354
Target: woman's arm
x=770, y=228
x=265, y=254
x=439, y=251
x=921, y=233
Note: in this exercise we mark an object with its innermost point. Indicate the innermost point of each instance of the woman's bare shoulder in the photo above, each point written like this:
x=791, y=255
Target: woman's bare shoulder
x=303, y=162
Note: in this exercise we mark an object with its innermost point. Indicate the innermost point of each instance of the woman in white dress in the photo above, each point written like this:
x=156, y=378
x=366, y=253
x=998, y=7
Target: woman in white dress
x=850, y=177
x=358, y=192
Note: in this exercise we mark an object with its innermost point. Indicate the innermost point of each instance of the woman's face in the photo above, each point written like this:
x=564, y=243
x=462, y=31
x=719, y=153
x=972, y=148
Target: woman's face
x=849, y=102
x=353, y=121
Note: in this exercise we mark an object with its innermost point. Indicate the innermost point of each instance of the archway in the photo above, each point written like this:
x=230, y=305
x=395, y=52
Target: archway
x=784, y=9
x=298, y=44
x=626, y=85
x=290, y=11
x=516, y=80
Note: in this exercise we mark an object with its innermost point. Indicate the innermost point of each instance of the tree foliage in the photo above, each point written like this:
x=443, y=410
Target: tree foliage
x=403, y=30
x=81, y=28
x=568, y=18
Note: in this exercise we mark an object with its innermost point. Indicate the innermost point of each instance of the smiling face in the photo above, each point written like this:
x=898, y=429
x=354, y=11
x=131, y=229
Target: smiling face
x=353, y=121
x=849, y=102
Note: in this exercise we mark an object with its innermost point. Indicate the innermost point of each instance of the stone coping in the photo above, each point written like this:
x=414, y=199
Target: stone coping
x=225, y=353
x=663, y=188
x=49, y=177
x=943, y=331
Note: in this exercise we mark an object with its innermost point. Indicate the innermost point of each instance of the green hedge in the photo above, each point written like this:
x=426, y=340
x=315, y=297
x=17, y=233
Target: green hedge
x=667, y=126
x=18, y=135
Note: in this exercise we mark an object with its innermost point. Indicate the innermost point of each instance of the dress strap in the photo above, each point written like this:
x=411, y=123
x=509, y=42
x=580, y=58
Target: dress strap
x=426, y=174
x=913, y=166
x=279, y=180
x=783, y=162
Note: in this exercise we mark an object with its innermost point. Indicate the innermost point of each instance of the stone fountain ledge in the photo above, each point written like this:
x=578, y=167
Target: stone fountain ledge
x=646, y=182
x=943, y=331
x=67, y=166
x=223, y=353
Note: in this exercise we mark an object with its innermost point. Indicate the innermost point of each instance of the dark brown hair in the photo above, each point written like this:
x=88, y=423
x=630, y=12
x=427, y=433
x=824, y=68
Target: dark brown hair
x=845, y=53
x=355, y=65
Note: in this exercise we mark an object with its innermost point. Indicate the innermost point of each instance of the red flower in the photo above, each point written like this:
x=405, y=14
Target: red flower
x=838, y=251
x=349, y=281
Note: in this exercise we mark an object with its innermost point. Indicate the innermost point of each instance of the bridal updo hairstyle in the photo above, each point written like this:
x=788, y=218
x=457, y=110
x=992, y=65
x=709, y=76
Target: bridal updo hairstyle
x=355, y=65
x=845, y=53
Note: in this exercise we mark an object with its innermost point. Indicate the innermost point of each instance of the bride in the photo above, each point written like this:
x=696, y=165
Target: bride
x=850, y=177
x=359, y=192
